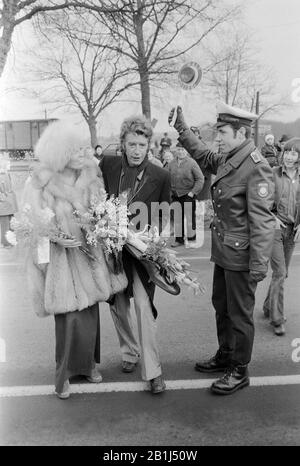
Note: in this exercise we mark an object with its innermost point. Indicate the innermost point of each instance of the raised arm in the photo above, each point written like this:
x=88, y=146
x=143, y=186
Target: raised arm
x=207, y=159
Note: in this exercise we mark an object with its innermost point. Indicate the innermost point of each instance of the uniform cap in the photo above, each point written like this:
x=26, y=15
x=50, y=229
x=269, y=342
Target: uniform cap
x=234, y=116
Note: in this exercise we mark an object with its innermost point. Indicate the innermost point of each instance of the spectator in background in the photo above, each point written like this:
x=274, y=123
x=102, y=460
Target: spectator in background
x=98, y=152
x=280, y=145
x=167, y=158
x=269, y=150
x=153, y=159
x=165, y=141
x=186, y=182
x=8, y=201
x=287, y=212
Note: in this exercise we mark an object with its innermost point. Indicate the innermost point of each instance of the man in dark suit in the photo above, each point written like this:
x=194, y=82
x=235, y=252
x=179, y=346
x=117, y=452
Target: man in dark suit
x=146, y=185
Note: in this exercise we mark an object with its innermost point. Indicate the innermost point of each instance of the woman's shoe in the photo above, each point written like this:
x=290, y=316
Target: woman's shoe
x=95, y=376
x=279, y=330
x=66, y=391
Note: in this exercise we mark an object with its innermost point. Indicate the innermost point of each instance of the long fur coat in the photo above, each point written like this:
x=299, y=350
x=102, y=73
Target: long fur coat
x=71, y=281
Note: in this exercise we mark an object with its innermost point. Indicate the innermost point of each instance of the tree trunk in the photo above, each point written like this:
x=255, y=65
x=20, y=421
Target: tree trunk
x=8, y=19
x=143, y=65
x=93, y=130
x=145, y=93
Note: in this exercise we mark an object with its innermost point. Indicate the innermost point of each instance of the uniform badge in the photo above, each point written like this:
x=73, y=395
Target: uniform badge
x=255, y=156
x=263, y=189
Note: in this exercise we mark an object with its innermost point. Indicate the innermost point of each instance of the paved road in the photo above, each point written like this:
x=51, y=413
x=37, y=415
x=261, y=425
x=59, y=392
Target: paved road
x=261, y=415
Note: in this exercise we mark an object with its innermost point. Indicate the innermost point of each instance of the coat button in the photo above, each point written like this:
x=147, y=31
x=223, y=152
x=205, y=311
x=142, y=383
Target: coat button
x=219, y=191
x=214, y=188
x=237, y=243
x=219, y=234
x=219, y=205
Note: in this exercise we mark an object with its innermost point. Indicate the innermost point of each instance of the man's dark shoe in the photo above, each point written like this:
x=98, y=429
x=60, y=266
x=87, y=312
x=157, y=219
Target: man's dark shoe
x=177, y=244
x=233, y=379
x=217, y=363
x=128, y=366
x=157, y=385
x=279, y=330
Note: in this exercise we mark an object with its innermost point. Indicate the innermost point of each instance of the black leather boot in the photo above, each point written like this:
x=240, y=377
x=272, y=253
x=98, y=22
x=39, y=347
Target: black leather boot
x=217, y=363
x=233, y=379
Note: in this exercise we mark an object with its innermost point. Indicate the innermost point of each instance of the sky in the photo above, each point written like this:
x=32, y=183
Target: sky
x=276, y=26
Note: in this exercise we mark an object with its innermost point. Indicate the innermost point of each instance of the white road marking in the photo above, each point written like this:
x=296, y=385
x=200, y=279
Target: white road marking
x=192, y=258
x=38, y=390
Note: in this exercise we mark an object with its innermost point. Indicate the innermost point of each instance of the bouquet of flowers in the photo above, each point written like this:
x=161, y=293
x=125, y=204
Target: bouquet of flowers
x=28, y=227
x=106, y=222
x=172, y=269
x=31, y=229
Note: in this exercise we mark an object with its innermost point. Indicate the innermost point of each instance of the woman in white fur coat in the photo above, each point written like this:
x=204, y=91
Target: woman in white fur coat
x=72, y=283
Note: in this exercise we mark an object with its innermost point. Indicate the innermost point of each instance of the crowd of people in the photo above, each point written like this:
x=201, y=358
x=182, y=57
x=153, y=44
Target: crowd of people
x=256, y=203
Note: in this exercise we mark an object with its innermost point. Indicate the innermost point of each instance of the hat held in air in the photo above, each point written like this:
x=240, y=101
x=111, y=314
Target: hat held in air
x=234, y=116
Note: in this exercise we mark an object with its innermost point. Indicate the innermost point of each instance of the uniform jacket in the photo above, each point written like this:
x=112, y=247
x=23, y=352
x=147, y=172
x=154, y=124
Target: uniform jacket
x=277, y=173
x=72, y=280
x=242, y=196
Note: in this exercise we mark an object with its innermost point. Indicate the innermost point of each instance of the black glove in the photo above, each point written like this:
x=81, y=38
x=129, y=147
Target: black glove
x=180, y=125
x=257, y=276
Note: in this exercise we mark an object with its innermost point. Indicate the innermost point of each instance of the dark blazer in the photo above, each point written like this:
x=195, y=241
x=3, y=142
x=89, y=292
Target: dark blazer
x=154, y=187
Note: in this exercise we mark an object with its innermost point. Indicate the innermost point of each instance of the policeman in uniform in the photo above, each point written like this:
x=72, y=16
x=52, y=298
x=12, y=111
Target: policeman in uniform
x=242, y=236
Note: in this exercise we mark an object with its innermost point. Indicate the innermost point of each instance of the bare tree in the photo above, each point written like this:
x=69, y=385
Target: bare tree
x=236, y=74
x=77, y=75
x=154, y=34
x=15, y=12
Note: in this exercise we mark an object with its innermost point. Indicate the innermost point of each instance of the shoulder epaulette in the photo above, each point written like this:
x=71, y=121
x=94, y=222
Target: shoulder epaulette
x=255, y=156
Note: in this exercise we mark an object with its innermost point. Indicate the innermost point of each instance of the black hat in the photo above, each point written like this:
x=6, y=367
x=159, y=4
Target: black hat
x=284, y=138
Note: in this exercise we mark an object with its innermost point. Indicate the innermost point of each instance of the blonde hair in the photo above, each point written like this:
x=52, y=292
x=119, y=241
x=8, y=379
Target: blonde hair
x=56, y=145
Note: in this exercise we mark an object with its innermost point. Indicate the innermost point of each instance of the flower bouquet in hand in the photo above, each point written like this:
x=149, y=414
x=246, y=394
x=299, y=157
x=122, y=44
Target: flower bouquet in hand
x=28, y=227
x=106, y=223
x=164, y=268
x=36, y=229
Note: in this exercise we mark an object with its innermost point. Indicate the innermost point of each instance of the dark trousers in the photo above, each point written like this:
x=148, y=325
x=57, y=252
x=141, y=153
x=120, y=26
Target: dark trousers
x=283, y=248
x=233, y=299
x=5, y=225
x=188, y=209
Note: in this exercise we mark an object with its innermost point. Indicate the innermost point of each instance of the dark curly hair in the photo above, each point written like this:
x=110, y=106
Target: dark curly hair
x=137, y=124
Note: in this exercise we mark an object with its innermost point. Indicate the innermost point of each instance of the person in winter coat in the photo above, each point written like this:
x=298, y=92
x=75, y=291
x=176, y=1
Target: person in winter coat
x=70, y=283
x=8, y=201
x=287, y=233
x=186, y=182
x=242, y=233
x=269, y=151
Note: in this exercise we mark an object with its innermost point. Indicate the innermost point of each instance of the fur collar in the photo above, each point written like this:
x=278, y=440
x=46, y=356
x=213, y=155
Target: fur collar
x=74, y=187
